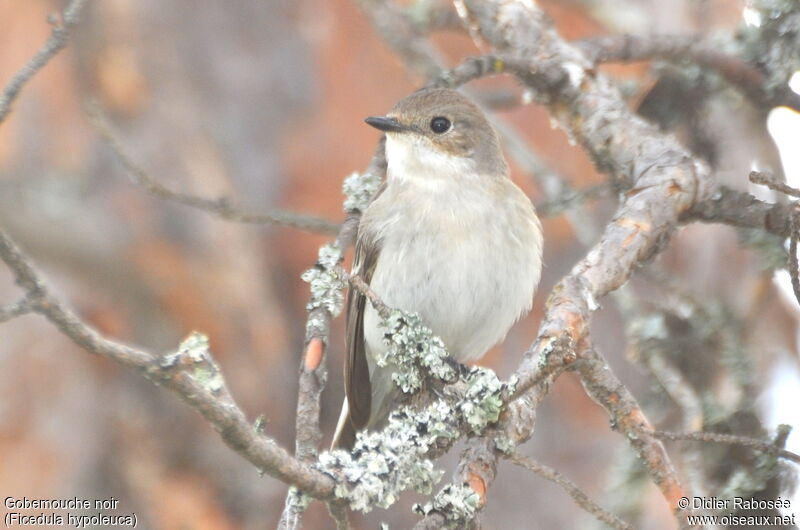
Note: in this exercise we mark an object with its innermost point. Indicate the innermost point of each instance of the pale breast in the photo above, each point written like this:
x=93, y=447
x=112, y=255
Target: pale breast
x=469, y=270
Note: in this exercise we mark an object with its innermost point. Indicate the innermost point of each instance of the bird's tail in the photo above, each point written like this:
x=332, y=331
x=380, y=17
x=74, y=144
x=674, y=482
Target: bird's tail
x=385, y=397
x=345, y=436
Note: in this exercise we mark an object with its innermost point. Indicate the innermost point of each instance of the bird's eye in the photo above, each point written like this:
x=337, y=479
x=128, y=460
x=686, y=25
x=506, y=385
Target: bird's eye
x=440, y=125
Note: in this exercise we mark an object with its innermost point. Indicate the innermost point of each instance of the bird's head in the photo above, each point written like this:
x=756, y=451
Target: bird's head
x=438, y=133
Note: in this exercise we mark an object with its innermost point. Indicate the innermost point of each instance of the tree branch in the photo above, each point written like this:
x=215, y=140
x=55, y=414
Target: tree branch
x=55, y=43
x=221, y=207
x=578, y=495
x=735, y=70
x=741, y=209
x=758, y=177
x=313, y=370
x=662, y=178
x=15, y=309
x=191, y=373
x=729, y=439
x=628, y=418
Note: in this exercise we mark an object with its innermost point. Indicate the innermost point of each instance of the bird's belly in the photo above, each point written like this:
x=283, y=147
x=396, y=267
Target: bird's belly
x=469, y=290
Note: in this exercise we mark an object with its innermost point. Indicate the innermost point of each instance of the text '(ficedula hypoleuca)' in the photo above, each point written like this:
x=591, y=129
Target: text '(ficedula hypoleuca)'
x=448, y=236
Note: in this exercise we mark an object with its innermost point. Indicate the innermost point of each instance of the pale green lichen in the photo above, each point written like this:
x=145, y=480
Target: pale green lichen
x=195, y=347
x=326, y=285
x=195, y=352
x=359, y=188
x=504, y=444
x=297, y=501
x=210, y=377
x=414, y=351
x=483, y=401
x=458, y=504
x=316, y=326
x=260, y=424
x=384, y=464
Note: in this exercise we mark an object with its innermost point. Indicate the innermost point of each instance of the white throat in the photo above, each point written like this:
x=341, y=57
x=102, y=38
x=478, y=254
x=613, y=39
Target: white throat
x=414, y=159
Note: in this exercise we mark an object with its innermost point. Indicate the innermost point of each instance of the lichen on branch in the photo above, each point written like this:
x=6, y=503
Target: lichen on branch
x=458, y=504
x=359, y=189
x=383, y=464
x=326, y=285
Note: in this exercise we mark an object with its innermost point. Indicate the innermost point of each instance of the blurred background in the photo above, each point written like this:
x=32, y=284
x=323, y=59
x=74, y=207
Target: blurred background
x=263, y=101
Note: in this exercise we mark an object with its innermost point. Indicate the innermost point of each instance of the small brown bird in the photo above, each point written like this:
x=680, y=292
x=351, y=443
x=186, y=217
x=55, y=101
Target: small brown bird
x=449, y=236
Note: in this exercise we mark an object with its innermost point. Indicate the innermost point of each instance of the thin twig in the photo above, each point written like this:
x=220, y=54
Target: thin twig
x=765, y=179
x=578, y=495
x=757, y=177
x=18, y=308
x=794, y=274
x=571, y=198
x=221, y=207
x=730, y=439
x=358, y=283
x=55, y=43
x=674, y=384
x=736, y=208
x=735, y=70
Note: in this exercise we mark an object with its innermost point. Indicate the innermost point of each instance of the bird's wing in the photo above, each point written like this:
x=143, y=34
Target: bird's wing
x=356, y=370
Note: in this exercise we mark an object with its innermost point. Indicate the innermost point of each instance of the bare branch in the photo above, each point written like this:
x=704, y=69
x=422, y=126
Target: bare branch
x=581, y=498
x=758, y=177
x=774, y=184
x=221, y=207
x=735, y=70
x=570, y=198
x=177, y=372
x=730, y=439
x=628, y=418
x=358, y=283
x=18, y=308
x=794, y=273
x=469, y=69
x=741, y=209
x=55, y=43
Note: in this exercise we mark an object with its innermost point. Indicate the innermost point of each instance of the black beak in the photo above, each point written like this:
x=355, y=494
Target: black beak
x=385, y=124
